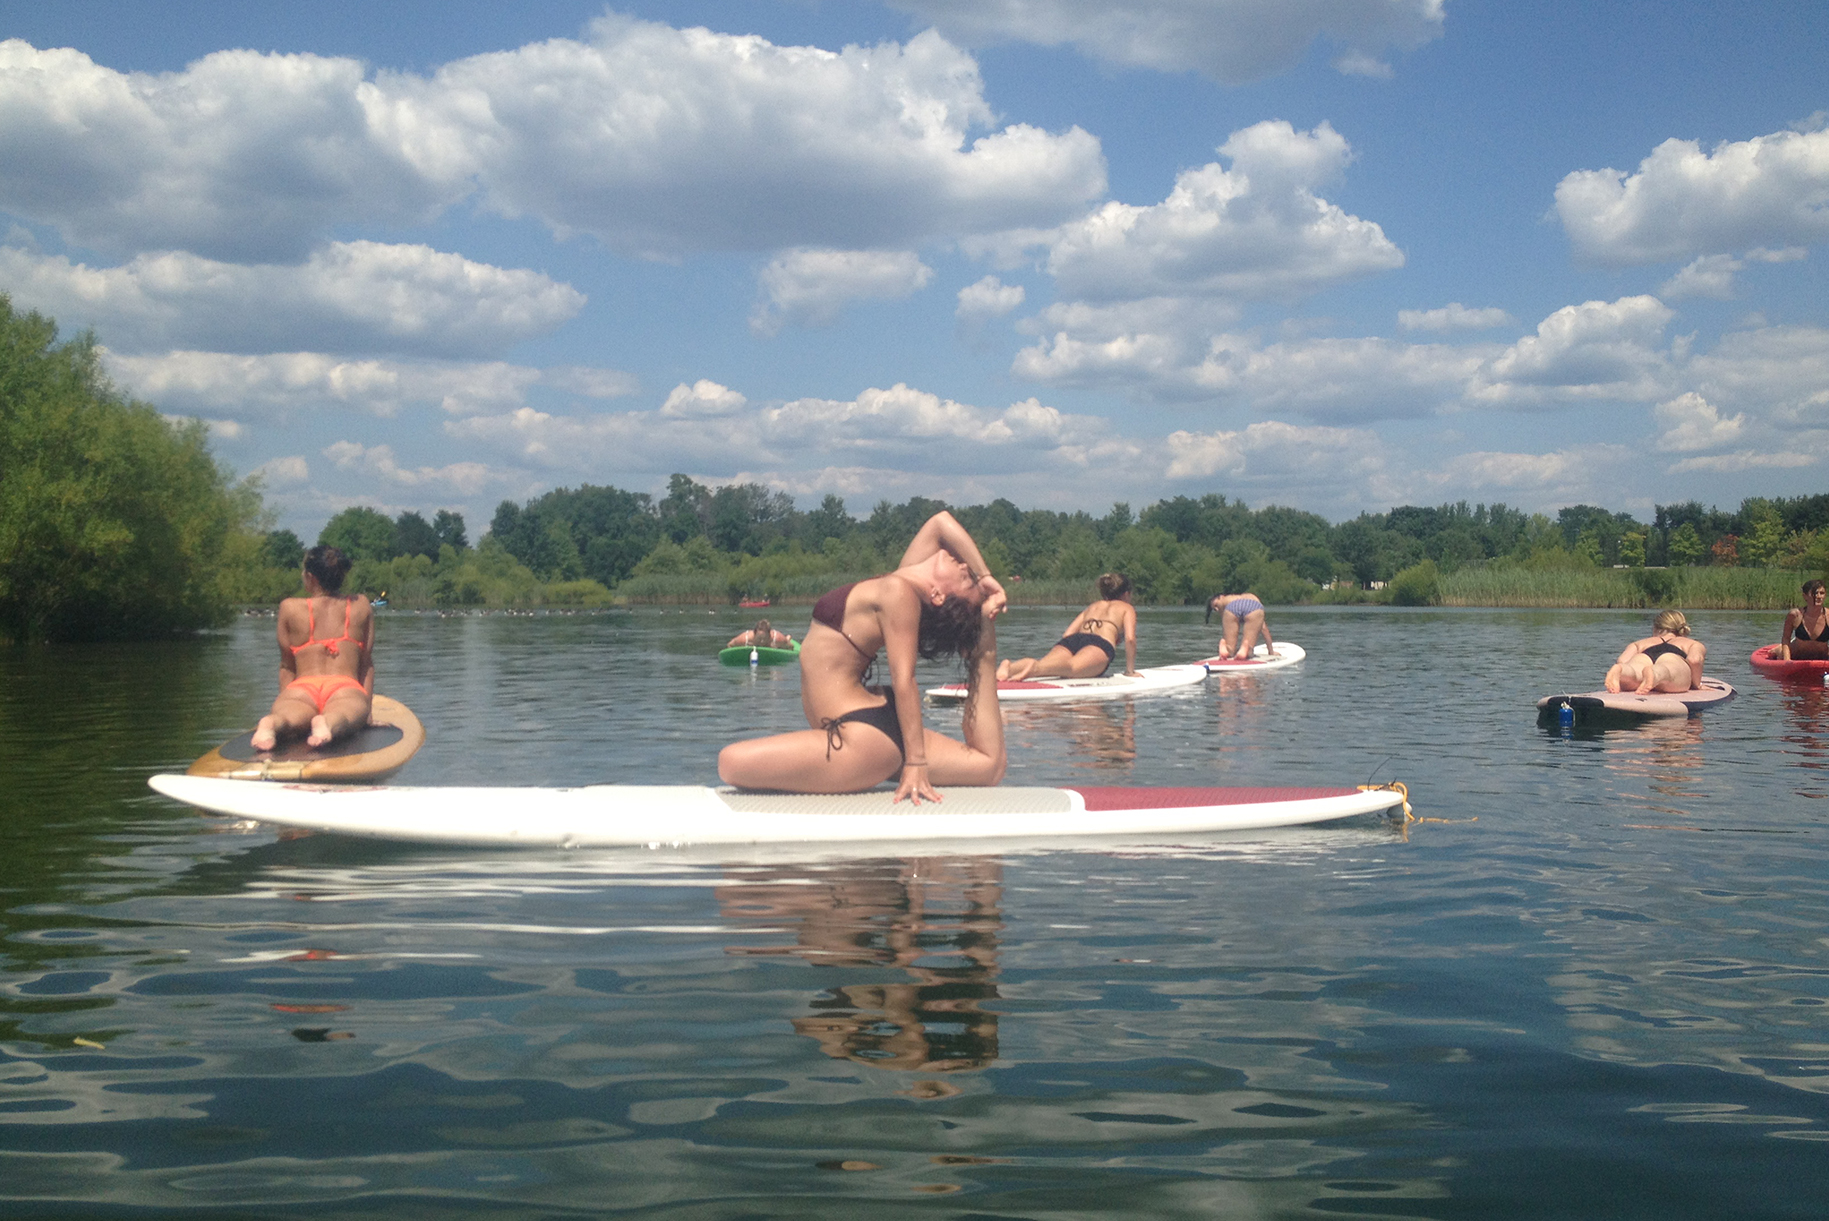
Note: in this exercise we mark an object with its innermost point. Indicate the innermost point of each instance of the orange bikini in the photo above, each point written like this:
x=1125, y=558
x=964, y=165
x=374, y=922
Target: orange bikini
x=319, y=688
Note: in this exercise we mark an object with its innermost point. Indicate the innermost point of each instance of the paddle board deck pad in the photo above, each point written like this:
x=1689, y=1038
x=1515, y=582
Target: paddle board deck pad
x=1285, y=654
x=615, y=815
x=1792, y=670
x=758, y=655
x=1109, y=686
x=1625, y=704
x=374, y=752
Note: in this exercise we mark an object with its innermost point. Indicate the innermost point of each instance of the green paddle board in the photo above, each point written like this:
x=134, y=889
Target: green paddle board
x=759, y=655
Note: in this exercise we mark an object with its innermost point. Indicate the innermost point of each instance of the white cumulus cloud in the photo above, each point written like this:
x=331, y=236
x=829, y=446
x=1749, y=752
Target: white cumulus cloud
x=704, y=399
x=656, y=140
x=1230, y=41
x=1690, y=422
x=810, y=287
x=1253, y=231
x=1454, y=317
x=348, y=298
x=1768, y=191
x=1610, y=349
x=285, y=383
x=289, y=471
x=463, y=478
x=988, y=298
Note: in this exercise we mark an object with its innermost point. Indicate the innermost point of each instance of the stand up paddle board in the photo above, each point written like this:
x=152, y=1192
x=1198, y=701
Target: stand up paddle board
x=1792, y=670
x=758, y=655
x=1625, y=704
x=1285, y=654
x=615, y=815
x=1105, y=687
x=374, y=752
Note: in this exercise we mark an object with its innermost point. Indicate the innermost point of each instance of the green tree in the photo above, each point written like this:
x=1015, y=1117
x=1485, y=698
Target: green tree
x=414, y=535
x=360, y=534
x=1632, y=549
x=1685, y=544
x=114, y=522
x=282, y=549
x=449, y=527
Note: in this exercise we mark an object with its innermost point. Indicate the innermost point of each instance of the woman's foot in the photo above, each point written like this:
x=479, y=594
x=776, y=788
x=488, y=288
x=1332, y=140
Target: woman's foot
x=320, y=731
x=266, y=736
x=1003, y=670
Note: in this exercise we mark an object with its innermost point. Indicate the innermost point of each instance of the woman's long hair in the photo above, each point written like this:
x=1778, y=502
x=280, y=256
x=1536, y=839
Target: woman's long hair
x=954, y=628
x=1671, y=621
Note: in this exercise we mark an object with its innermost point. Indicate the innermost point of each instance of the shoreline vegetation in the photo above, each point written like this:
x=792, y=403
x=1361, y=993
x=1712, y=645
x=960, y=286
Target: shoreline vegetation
x=117, y=522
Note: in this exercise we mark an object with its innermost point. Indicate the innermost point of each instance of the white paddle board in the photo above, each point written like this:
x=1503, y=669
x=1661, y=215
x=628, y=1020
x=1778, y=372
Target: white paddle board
x=1105, y=687
x=1261, y=659
x=1587, y=704
x=615, y=815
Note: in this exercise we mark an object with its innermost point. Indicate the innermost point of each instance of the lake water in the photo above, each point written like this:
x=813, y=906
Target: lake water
x=1590, y=983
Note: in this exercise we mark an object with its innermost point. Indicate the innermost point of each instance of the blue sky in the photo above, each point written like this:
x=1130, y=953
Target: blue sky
x=1336, y=254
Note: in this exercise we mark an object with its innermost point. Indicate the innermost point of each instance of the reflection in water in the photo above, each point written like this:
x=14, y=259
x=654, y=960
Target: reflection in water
x=1101, y=736
x=1805, y=739
x=1666, y=754
x=935, y=918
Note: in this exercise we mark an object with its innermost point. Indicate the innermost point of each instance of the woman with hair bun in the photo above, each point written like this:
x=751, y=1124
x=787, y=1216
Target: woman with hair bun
x=326, y=682
x=1666, y=660
x=941, y=600
x=1805, y=635
x=1087, y=647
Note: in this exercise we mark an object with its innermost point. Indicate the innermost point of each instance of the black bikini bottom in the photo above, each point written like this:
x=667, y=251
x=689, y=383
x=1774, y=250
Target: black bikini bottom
x=880, y=717
x=1081, y=640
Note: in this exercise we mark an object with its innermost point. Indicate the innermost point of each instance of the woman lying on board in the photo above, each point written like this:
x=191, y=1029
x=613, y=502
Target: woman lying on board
x=762, y=636
x=1086, y=648
x=941, y=600
x=1666, y=660
x=326, y=681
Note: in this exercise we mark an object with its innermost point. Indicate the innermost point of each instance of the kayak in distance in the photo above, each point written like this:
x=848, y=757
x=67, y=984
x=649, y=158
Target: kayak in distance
x=376, y=751
x=616, y=815
x=1624, y=704
x=1108, y=686
x=1792, y=670
x=758, y=655
x=1285, y=654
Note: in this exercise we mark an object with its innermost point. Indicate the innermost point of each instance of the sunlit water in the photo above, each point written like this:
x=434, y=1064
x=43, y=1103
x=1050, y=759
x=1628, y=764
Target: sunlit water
x=1591, y=983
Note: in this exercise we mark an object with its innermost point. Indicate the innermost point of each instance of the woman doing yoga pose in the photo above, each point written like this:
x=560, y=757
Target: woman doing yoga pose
x=1090, y=642
x=941, y=600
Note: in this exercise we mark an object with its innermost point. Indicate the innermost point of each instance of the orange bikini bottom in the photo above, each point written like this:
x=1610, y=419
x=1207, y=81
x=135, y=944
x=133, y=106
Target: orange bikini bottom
x=319, y=688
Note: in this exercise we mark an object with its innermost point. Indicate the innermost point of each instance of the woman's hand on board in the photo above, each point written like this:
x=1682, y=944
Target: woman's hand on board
x=915, y=785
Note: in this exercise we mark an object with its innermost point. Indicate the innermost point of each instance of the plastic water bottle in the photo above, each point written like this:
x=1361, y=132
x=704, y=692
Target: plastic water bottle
x=755, y=658
x=1565, y=716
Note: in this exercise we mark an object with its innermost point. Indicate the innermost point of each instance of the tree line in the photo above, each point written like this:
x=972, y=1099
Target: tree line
x=116, y=521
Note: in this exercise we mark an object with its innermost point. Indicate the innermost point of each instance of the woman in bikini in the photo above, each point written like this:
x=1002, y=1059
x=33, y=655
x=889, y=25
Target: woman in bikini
x=1240, y=613
x=1086, y=648
x=1805, y=636
x=762, y=636
x=1666, y=660
x=941, y=600
x=325, y=682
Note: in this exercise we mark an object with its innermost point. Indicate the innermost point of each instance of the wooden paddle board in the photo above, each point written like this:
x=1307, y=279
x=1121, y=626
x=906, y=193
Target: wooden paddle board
x=1791, y=670
x=758, y=655
x=1589, y=704
x=375, y=752
x=1109, y=686
x=613, y=815
x=1261, y=659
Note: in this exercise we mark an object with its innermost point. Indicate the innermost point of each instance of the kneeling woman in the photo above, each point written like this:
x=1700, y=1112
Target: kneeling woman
x=1090, y=642
x=1666, y=660
x=325, y=683
x=941, y=600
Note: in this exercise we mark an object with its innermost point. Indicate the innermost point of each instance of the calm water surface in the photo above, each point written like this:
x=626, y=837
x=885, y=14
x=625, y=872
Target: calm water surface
x=1591, y=983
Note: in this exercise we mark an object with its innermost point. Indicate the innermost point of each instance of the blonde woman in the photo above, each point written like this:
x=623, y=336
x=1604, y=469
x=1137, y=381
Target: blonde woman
x=1666, y=660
